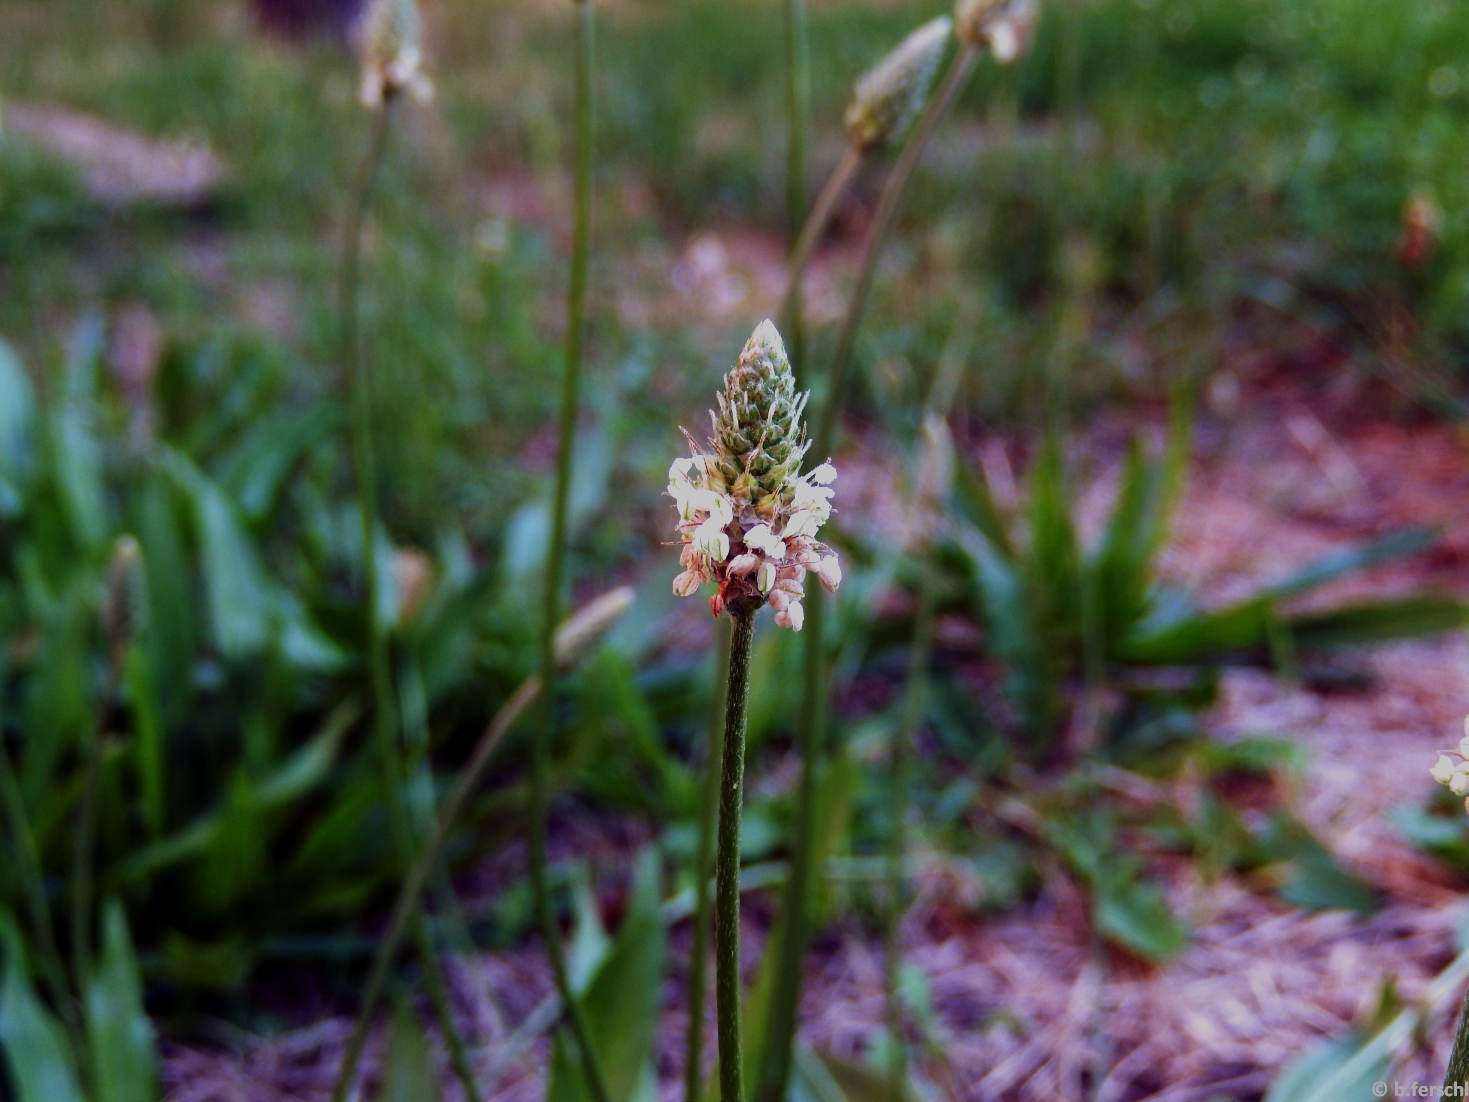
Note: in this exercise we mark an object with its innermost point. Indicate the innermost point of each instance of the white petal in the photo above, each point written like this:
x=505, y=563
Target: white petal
x=795, y=615
x=761, y=538
x=830, y=573
x=801, y=523
x=686, y=584
x=1004, y=42
x=823, y=474
x=765, y=580
x=1442, y=769
x=711, y=539
x=743, y=564
x=794, y=586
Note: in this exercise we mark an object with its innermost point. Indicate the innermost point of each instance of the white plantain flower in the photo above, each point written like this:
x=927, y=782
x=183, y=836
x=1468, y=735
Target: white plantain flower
x=747, y=517
x=392, y=59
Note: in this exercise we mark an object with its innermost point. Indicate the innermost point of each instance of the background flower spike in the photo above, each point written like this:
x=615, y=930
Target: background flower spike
x=888, y=97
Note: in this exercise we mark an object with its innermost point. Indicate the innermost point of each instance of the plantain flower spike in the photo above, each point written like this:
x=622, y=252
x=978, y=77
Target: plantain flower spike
x=125, y=595
x=1454, y=774
x=392, y=59
x=888, y=97
x=1005, y=27
x=747, y=516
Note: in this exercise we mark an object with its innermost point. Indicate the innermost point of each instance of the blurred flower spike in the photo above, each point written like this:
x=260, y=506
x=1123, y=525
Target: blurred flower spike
x=747, y=516
x=125, y=593
x=1452, y=774
x=888, y=97
x=392, y=59
x=1005, y=27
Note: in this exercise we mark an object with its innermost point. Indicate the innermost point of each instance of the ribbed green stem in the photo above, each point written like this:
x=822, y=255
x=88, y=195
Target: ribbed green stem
x=798, y=110
x=438, y=994
x=32, y=883
x=813, y=226
x=727, y=860
x=703, y=862
x=85, y=843
x=384, y=710
x=556, y=552
x=412, y=886
x=813, y=704
x=893, y=191
x=781, y=1023
x=1457, y=1075
x=898, y=788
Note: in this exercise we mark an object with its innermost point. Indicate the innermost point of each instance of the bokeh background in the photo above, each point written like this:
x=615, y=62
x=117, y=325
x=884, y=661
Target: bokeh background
x=1198, y=273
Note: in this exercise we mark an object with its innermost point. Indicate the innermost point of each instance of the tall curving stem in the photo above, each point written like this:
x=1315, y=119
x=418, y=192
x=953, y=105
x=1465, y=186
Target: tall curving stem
x=576, y=309
x=786, y=1000
x=727, y=858
x=798, y=114
x=85, y=841
x=586, y=624
x=893, y=190
x=805, y=230
x=383, y=704
x=812, y=228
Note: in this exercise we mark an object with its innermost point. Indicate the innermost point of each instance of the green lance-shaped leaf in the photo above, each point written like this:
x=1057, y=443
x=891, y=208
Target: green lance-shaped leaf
x=119, y=1034
x=32, y=1043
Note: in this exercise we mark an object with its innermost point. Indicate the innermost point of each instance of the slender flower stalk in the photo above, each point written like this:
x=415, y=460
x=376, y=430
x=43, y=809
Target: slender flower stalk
x=885, y=101
x=391, y=68
x=748, y=520
x=893, y=191
x=123, y=608
x=813, y=227
x=798, y=113
x=556, y=553
x=703, y=862
x=49, y=960
x=792, y=318
x=727, y=861
x=572, y=638
x=935, y=474
x=1004, y=28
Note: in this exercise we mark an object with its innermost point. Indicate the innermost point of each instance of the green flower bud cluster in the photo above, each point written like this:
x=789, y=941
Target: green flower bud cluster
x=759, y=437
x=747, y=517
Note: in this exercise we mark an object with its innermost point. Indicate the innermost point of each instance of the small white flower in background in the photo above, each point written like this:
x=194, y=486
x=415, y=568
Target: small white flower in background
x=392, y=61
x=1454, y=775
x=1005, y=27
x=747, y=517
